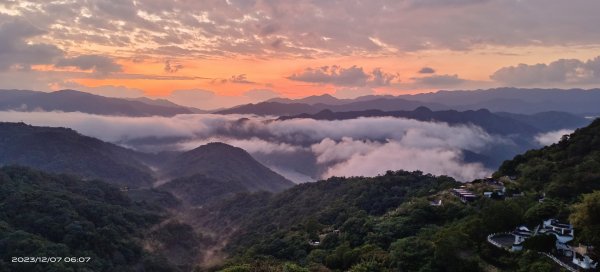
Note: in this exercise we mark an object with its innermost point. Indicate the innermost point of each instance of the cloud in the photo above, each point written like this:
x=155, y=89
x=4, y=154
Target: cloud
x=439, y=80
x=552, y=137
x=116, y=129
x=563, y=71
x=283, y=30
x=17, y=50
x=314, y=28
x=426, y=70
x=352, y=76
x=330, y=151
x=96, y=63
x=236, y=79
x=380, y=78
x=313, y=148
x=172, y=68
x=394, y=156
x=442, y=3
x=240, y=79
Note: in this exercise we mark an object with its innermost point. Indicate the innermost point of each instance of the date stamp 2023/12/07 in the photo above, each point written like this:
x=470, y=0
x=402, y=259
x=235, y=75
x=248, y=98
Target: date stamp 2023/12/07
x=56, y=259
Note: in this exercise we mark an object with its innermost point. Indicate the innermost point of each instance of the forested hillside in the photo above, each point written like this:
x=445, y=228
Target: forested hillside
x=564, y=170
x=385, y=223
x=62, y=216
x=398, y=221
x=225, y=164
x=62, y=150
x=390, y=222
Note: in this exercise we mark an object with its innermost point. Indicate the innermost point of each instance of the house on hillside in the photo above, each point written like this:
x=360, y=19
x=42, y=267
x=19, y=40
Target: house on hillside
x=582, y=259
x=314, y=242
x=521, y=234
x=496, y=194
x=435, y=203
x=464, y=195
x=564, y=232
x=542, y=198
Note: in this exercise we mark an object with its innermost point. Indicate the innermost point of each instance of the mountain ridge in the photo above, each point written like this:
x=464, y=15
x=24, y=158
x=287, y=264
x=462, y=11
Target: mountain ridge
x=483, y=118
x=62, y=150
x=278, y=108
x=76, y=101
x=502, y=99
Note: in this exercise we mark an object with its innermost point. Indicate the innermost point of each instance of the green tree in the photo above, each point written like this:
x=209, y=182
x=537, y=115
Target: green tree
x=585, y=218
x=411, y=253
x=540, y=243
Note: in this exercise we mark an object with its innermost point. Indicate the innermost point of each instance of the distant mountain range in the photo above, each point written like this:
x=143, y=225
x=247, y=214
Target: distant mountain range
x=214, y=169
x=75, y=101
x=517, y=100
x=313, y=99
x=495, y=123
x=280, y=108
x=549, y=121
x=164, y=103
x=513, y=100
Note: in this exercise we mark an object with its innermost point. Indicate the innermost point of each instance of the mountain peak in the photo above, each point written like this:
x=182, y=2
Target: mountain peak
x=224, y=162
x=422, y=109
x=217, y=146
x=325, y=96
x=71, y=91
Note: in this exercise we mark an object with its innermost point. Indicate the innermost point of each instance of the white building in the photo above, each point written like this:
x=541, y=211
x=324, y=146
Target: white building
x=521, y=234
x=581, y=258
x=464, y=195
x=564, y=232
x=436, y=203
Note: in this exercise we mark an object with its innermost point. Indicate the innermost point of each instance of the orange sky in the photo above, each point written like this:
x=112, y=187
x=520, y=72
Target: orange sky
x=224, y=49
x=272, y=73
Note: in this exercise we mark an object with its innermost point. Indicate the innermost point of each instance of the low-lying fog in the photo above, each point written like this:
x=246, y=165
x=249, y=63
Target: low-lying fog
x=306, y=149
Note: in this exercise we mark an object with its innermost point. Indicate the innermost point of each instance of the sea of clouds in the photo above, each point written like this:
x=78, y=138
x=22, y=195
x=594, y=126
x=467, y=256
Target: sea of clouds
x=300, y=149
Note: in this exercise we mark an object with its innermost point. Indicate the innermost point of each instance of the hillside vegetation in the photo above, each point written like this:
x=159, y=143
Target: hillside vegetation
x=564, y=170
x=62, y=150
x=388, y=223
x=62, y=216
x=398, y=221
